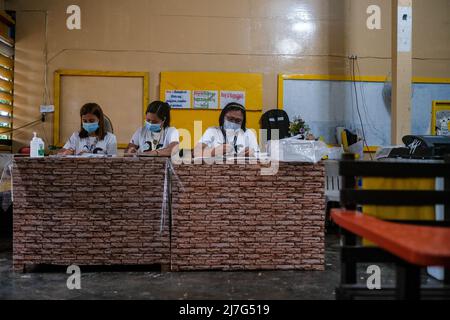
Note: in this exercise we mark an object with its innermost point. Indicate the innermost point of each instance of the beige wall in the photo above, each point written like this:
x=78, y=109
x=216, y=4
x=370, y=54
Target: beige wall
x=262, y=36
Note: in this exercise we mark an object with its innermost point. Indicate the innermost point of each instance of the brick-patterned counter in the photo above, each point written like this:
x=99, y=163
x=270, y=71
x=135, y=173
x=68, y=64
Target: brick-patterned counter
x=100, y=211
x=107, y=211
x=230, y=217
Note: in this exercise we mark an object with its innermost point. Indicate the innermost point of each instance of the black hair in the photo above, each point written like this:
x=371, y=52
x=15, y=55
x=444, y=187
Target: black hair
x=233, y=106
x=95, y=109
x=162, y=111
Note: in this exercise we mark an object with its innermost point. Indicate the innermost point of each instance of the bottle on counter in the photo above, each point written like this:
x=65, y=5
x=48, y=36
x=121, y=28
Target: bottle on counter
x=37, y=147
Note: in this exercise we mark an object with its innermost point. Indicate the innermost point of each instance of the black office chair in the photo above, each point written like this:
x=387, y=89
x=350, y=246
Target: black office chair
x=108, y=124
x=276, y=120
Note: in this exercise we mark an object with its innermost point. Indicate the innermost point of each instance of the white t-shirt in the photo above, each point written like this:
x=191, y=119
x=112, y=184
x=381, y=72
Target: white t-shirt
x=149, y=141
x=107, y=146
x=213, y=137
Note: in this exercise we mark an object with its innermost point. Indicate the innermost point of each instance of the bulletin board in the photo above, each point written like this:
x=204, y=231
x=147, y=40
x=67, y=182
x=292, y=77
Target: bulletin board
x=210, y=86
x=123, y=97
x=440, y=118
x=326, y=102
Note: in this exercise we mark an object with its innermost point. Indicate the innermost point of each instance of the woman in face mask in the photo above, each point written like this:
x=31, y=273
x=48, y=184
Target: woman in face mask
x=156, y=137
x=92, y=137
x=230, y=138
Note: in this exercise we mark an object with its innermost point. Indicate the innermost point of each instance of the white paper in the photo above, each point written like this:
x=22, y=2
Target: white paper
x=87, y=155
x=227, y=97
x=404, y=36
x=206, y=99
x=179, y=99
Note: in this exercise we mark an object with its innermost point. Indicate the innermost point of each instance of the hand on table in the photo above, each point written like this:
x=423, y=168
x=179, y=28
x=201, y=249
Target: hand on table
x=67, y=152
x=223, y=149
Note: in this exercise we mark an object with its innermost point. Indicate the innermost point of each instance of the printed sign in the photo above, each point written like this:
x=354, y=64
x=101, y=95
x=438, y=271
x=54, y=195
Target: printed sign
x=179, y=99
x=227, y=97
x=206, y=99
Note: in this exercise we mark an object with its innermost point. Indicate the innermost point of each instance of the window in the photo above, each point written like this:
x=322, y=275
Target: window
x=7, y=35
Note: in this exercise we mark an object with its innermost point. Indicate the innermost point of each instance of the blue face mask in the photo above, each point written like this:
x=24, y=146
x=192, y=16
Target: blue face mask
x=153, y=127
x=228, y=125
x=91, y=127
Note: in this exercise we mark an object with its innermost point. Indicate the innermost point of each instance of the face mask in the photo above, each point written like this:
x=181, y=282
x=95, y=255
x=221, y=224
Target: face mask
x=228, y=125
x=153, y=127
x=91, y=127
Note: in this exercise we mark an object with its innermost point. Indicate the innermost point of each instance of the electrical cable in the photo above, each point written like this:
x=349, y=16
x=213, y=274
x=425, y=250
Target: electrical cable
x=366, y=109
x=46, y=98
x=337, y=56
x=357, y=106
x=46, y=93
x=22, y=127
x=45, y=134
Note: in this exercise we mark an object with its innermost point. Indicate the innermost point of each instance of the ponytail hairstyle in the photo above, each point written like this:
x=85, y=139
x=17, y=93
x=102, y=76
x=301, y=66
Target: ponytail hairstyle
x=162, y=111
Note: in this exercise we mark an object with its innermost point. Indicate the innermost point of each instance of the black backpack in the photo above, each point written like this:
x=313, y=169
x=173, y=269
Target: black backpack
x=276, y=119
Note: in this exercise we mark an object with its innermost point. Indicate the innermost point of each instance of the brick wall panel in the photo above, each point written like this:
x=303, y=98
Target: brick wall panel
x=88, y=211
x=225, y=217
x=245, y=221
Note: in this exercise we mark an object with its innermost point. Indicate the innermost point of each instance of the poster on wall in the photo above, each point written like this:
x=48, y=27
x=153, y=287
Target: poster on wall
x=443, y=123
x=206, y=99
x=179, y=99
x=227, y=97
x=440, y=118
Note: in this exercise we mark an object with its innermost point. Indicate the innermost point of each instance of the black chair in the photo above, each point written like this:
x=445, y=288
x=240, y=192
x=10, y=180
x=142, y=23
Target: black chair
x=352, y=198
x=276, y=120
x=108, y=124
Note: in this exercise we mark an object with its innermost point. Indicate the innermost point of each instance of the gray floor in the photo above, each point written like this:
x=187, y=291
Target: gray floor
x=274, y=285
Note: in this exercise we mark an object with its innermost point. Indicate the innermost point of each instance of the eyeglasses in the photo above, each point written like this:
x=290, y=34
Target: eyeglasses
x=234, y=120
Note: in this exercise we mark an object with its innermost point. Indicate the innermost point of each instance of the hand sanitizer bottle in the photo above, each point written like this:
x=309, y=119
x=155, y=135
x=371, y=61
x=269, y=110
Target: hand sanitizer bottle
x=37, y=147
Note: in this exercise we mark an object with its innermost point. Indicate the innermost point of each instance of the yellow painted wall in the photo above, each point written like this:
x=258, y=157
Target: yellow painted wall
x=209, y=118
x=247, y=36
x=249, y=83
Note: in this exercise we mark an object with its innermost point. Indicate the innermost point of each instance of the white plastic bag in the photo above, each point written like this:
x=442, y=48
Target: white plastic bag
x=357, y=148
x=335, y=153
x=295, y=150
